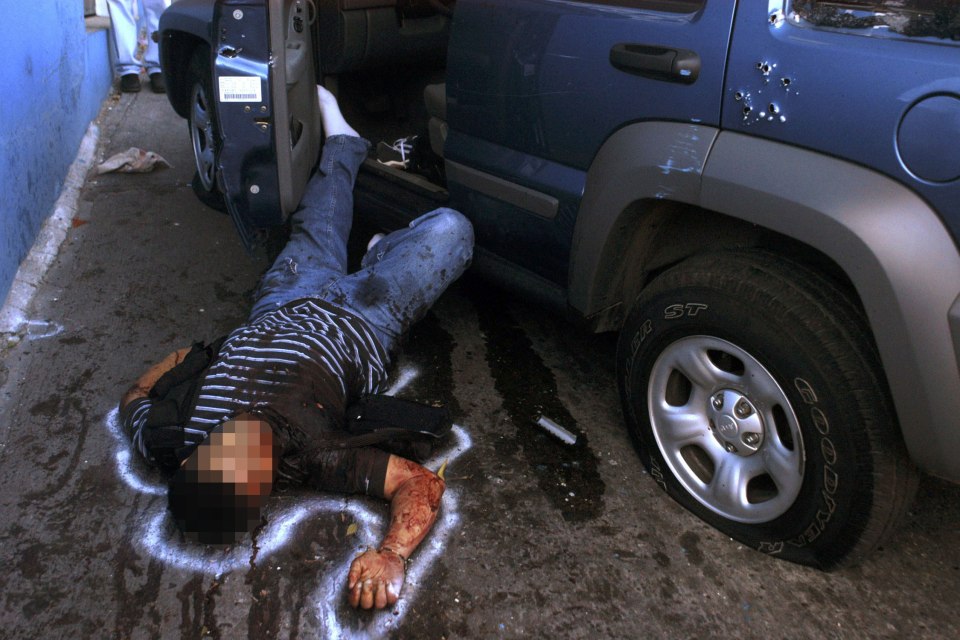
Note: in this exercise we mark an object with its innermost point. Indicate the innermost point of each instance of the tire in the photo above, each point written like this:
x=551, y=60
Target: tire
x=213, y=199
x=755, y=396
x=203, y=127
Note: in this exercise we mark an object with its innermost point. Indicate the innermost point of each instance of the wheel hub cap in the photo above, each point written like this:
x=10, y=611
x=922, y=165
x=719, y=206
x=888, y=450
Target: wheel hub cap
x=735, y=422
x=726, y=429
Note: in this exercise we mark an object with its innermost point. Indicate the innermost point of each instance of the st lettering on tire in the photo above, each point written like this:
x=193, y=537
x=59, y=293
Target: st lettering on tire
x=755, y=396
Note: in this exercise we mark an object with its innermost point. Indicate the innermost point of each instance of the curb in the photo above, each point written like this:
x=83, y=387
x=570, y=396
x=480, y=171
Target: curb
x=13, y=318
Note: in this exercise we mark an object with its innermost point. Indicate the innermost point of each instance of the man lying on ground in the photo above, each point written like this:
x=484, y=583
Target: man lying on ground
x=317, y=339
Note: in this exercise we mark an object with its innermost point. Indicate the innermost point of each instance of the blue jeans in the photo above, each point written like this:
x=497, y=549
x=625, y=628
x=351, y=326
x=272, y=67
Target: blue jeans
x=399, y=278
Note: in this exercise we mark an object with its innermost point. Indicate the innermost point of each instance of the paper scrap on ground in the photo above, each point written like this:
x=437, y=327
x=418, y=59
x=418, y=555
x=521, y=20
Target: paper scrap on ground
x=133, y=160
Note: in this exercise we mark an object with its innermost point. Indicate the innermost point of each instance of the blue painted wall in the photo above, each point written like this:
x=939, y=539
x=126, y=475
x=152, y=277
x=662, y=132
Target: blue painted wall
x=53, y=79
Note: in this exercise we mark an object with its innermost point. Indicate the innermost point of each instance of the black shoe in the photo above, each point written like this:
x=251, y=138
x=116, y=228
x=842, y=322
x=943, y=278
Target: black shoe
x=130, y=83
x=157, y=85
x=397, y=155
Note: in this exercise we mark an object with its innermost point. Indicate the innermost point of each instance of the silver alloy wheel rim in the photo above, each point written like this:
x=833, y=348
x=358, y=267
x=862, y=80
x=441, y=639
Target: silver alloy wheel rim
x=726, y=429
x=201, y=133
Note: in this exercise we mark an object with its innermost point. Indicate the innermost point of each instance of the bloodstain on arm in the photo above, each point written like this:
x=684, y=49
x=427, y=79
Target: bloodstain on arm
x=376, y=577
x=414, y=493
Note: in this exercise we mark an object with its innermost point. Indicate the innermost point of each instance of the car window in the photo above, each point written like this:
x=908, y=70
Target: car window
x=911, y=18
x=669, y=6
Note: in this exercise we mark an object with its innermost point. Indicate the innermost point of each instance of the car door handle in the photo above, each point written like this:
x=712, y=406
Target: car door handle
x=659, y=63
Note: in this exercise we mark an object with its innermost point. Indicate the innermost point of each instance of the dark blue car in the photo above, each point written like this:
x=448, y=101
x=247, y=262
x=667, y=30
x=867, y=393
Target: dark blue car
x=762, y=198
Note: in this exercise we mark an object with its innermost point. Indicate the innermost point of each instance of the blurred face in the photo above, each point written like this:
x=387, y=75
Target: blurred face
x=242, y=454
x=216, y=496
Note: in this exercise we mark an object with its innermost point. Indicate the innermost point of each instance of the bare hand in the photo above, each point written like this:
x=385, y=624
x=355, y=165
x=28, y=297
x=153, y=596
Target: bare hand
x=375, y=579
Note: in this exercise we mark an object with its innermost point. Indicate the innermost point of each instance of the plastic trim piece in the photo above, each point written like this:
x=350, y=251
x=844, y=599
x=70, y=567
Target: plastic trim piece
x=353, y=5
x=292, y=85
x=517, y=195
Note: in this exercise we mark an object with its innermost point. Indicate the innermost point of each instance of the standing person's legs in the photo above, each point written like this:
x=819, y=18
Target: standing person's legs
x=404, y=273
x=151, y=17
x=124, y=26
x=316, y=253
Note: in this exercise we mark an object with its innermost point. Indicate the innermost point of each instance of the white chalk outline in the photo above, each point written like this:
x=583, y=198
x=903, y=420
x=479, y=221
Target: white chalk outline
x=330, y=595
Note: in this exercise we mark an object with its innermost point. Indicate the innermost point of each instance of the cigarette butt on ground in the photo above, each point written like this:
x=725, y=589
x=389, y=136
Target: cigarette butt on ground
x=556, y=430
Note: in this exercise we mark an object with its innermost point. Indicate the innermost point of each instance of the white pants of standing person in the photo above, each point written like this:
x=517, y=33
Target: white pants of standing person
x=126, y=18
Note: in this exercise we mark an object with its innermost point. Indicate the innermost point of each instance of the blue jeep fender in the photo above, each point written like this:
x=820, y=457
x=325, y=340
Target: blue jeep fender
x=891, y=245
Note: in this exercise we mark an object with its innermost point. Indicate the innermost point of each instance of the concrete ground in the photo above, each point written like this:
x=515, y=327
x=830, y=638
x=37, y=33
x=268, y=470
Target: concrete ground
x=536, y=539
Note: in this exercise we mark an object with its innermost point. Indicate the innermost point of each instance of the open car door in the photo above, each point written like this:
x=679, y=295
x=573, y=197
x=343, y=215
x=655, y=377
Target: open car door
x=264, y=85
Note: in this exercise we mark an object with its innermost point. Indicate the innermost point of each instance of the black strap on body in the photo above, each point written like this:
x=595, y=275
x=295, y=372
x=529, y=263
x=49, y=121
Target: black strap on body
x=174, y=396
x=405, y=428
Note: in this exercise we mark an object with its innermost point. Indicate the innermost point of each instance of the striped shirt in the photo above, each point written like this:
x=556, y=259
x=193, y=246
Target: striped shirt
x=303, y=361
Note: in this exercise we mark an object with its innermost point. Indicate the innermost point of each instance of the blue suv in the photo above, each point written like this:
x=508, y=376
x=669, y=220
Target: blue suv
x=761, y=197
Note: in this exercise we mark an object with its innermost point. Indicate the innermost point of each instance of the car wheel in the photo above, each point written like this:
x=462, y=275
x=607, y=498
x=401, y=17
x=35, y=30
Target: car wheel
x=202, y=122
x=756, y=399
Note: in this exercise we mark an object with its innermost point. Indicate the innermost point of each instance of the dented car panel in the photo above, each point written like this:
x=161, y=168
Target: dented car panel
x=888, y=103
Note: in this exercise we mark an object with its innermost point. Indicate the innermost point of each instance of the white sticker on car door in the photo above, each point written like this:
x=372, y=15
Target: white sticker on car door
x=240, y=89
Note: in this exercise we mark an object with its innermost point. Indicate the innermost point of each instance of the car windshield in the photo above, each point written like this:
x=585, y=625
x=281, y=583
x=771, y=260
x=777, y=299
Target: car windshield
x=914, y=18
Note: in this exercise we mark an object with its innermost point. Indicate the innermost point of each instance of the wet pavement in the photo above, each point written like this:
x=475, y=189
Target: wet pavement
x=535, y=539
